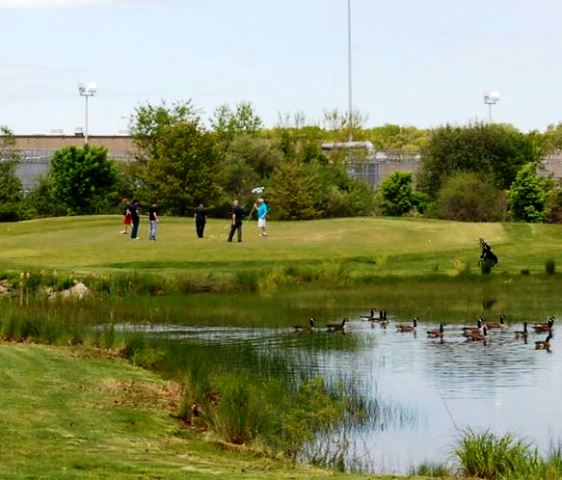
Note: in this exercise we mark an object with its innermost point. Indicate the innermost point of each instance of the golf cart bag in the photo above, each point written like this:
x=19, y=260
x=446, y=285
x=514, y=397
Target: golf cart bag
x=487, y=255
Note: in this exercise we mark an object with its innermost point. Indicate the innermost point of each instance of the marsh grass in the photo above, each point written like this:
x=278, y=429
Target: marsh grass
x=485, y=455
x=431, y=470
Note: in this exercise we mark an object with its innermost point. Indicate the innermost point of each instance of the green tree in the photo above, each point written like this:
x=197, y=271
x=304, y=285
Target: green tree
x=292, y=192
x=397, y=194
x=83, y=179
x=41, y=200
x=470, y=197
x=228, y=123
x=248, y=162
x=11, y=189
x=176, y=161
x=553, y=206
x=494, y=151
x=527, y=196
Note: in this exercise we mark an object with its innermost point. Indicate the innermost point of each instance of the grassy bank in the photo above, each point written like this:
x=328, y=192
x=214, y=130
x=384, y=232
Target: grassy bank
x=359, y=246
x=71, y=413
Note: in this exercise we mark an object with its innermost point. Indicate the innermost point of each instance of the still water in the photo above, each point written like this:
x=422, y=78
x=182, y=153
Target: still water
x=440, y=387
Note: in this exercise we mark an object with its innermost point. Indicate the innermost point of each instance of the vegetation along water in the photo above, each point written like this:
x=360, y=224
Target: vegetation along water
x=217, y=322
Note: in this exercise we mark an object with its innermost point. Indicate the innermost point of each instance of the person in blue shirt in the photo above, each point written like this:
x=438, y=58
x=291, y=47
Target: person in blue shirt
x=262, y=217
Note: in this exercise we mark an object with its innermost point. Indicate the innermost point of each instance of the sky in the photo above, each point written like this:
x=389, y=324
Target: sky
x=415, y=62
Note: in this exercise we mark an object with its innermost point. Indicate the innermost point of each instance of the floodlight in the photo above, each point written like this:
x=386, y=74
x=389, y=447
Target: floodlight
x=87, y=90
x=491, y=98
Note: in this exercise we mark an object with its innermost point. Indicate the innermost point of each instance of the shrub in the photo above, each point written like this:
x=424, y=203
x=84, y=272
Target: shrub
x=527, y=196
x=486, y=456
x=469, y=197
x=553, y=207
x=397, y=194
x=550, y=266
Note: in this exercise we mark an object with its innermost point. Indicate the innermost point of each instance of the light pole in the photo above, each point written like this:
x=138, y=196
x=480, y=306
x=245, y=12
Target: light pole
x=491, y=98
x=350, y=104
x=87, y=90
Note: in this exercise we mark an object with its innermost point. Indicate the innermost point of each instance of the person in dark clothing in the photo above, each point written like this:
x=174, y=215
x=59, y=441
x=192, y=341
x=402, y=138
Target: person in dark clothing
x=237, y=215
x=153, y=219
x=135, y=218
x=200, y=220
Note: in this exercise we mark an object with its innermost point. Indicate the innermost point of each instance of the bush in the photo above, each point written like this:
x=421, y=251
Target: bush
x=527, y=196
x=553, y=207
x=469, y=197
x=487, y=456
x=550, y=266
x=397, y=194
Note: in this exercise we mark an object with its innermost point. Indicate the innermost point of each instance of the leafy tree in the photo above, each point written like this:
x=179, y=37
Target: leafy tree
x=176, y=159
x=228, y=124
x=527, y=196
x=470, y=197
x=11, y=189
x=83, y=179
x=292, y=193
x=553, y=206
x=41, y=201
x=397, y=194
x=550, y=141
x=398, y=138
x=494, y=151
x=247, y=162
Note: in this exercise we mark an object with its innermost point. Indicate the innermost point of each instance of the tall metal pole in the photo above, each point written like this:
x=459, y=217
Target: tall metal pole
x=490, y=112
x=350, y=106
x=86, y=121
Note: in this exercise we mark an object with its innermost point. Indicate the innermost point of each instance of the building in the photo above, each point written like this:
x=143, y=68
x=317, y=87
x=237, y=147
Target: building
x=36, y=151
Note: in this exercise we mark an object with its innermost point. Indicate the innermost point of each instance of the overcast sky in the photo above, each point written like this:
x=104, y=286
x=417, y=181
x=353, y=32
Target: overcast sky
x=415, y=62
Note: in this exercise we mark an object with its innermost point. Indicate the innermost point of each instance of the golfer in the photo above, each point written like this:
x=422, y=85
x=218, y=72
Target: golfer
x=262, y=217
x=237, y=215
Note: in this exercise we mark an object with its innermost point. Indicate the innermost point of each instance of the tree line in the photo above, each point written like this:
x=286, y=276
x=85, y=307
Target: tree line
x=479, y=172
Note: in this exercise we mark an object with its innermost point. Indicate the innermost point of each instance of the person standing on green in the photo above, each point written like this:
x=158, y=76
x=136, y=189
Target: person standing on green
x=135, y=218
x=262, y=217
x=237, y=216
x=200, y=220
x=153, y=219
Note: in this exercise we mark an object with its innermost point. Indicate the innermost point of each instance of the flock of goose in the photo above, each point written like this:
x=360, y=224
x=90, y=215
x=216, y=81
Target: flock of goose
x=477, y=333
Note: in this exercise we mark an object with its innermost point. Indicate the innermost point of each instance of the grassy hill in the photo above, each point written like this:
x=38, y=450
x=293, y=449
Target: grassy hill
x=382, y=246
x=71, y=413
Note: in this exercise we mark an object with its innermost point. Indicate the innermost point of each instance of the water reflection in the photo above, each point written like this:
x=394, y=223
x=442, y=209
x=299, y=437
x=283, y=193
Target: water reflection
x=428, y=390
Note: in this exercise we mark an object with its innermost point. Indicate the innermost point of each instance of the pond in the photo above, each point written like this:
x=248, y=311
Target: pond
x=430, y=389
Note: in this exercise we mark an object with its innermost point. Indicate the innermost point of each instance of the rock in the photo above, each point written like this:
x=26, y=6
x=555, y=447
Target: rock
x=78, y=290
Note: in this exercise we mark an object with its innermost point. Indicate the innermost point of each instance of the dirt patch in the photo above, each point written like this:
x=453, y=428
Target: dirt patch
x=133, y=393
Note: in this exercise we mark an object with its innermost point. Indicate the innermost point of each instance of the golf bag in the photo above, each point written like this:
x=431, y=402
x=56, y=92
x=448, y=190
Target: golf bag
x=487, y=255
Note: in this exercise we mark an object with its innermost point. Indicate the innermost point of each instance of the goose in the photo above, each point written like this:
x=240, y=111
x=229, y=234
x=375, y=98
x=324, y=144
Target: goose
x=371, y=315
x=335, y=327
x=478, y=336
x=408, y=328
x=523, y=334
x=306, y=328
x=438, y=333
x=467, y=331
x=544, y=327
x=500, y=324
x=544, y=344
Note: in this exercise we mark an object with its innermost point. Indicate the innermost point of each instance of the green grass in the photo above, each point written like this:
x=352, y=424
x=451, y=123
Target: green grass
x=363, y=246
x=68, y=413
x=485, y=455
